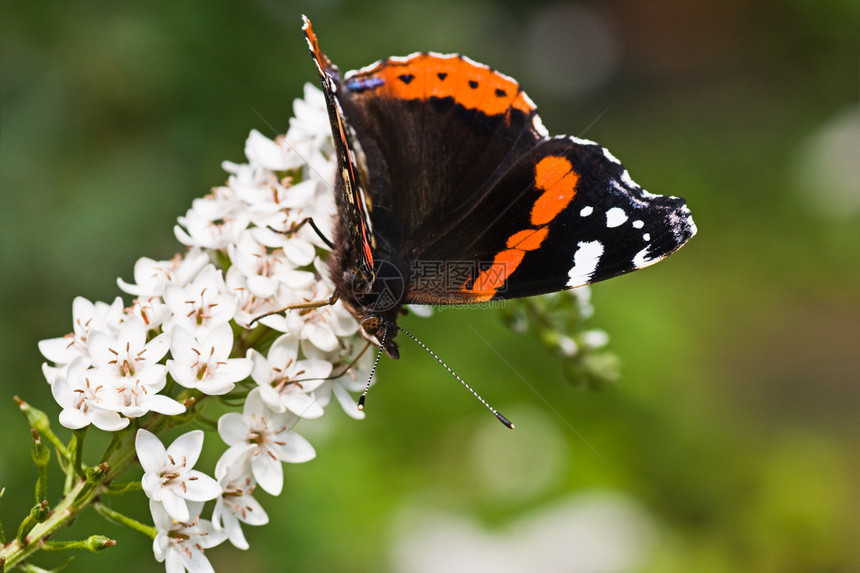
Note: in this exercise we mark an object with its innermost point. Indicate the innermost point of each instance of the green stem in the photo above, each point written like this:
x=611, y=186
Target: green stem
x=79, y=496
x=77, y=454
x=39, y=421
x=122, y=519
x=121, y=488
x=93, y=543
x=41, y=457
x=2, y=533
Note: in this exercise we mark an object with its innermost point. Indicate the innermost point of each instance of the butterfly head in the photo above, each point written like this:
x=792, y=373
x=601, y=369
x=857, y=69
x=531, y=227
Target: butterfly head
x=375, y=301
x=384, y=329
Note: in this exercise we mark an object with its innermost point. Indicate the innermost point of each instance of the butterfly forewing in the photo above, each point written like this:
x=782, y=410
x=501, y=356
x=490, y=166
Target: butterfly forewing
x=567, y=214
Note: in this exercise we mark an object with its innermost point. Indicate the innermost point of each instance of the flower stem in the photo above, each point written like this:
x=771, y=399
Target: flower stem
x=2, y=532
x=118, y=517
x=81, y=494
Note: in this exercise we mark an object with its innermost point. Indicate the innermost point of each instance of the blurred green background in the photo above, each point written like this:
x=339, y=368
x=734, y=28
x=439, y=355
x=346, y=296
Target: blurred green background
x=731, y=442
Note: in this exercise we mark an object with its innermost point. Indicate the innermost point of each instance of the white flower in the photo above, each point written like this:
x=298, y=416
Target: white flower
x=250, y=306
x=198, y=229
x=595, y=338
x=283, y=236
x=136, y=399
x=127, y=354
x=86, y=316
x=152, y=276
x=266, y=268
x=235, y=506
x=340, y=388
x=273, y=155
x=310, y=134
x=324, y=326
x=128, y=364
x=169, y=477
x=285, y=381
x=202, y=305
x=274, y=202
x=84, y=401
x=181, y=545
x=310, y=116
x=583, y=300
x=151, y=310
x=261, y=439
x=206, y=364
x=353, y=380
x=251, y=183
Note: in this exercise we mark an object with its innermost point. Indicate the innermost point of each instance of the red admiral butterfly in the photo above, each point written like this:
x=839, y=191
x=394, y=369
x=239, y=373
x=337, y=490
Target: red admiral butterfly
x=451, y=191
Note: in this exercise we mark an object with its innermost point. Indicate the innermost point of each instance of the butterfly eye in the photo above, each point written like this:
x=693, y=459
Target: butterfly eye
x=370, y=324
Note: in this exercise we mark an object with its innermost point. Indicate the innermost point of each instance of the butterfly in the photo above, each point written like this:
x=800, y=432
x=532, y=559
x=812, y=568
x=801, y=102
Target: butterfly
x=451, y=191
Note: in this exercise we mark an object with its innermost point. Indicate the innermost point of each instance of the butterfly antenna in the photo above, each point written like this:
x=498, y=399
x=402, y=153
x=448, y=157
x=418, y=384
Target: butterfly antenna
x=372, y=370
x=495, y=412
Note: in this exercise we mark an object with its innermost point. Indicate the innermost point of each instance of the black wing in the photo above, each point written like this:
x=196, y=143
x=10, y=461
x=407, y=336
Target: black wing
x=566, y=215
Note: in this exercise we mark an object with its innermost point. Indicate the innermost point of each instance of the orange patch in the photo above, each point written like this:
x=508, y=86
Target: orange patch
x=555, y=175
x=527, y=240
x=506, y=262
x=492, y=278
x=425, y=76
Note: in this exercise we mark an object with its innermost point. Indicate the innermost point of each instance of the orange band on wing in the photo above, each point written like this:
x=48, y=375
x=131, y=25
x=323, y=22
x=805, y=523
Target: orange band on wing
x=528, y=239
x=423, y=76
x=555, y=177
x=492, y=278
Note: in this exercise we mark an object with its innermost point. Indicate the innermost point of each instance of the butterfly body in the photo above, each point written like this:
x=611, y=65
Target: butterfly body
x=451, y=191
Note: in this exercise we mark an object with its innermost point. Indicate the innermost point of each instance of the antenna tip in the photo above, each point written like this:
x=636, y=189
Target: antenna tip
x=361, y=402
x=505, y=421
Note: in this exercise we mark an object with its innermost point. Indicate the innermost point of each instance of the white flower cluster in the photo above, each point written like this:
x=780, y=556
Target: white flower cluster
x=186, y=337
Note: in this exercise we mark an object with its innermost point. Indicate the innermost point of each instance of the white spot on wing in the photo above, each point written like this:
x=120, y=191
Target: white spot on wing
x=539, y=127
x=506, y=77
x=641, y=259
x=585, y=261
x=405, y=59
x=580, y=141
x=469, y=60
x=527, y=99
x=625, y=177
x=610, y=157
x=615, y=217
x=693, y=228
x=637, y=224
x=443, y=56
x=628, y=181
x=586, y=211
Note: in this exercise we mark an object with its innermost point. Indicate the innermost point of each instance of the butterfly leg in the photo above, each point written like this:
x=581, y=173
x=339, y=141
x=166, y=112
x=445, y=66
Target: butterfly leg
x=300, y=306
x=306, y=221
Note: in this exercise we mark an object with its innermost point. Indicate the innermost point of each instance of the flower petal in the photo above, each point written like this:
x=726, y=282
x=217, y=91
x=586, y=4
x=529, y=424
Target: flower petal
x=233, y=428
x=200, y=487
x=269, y=473
x=187, y=446
x=174, y=505
x=294, y=449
